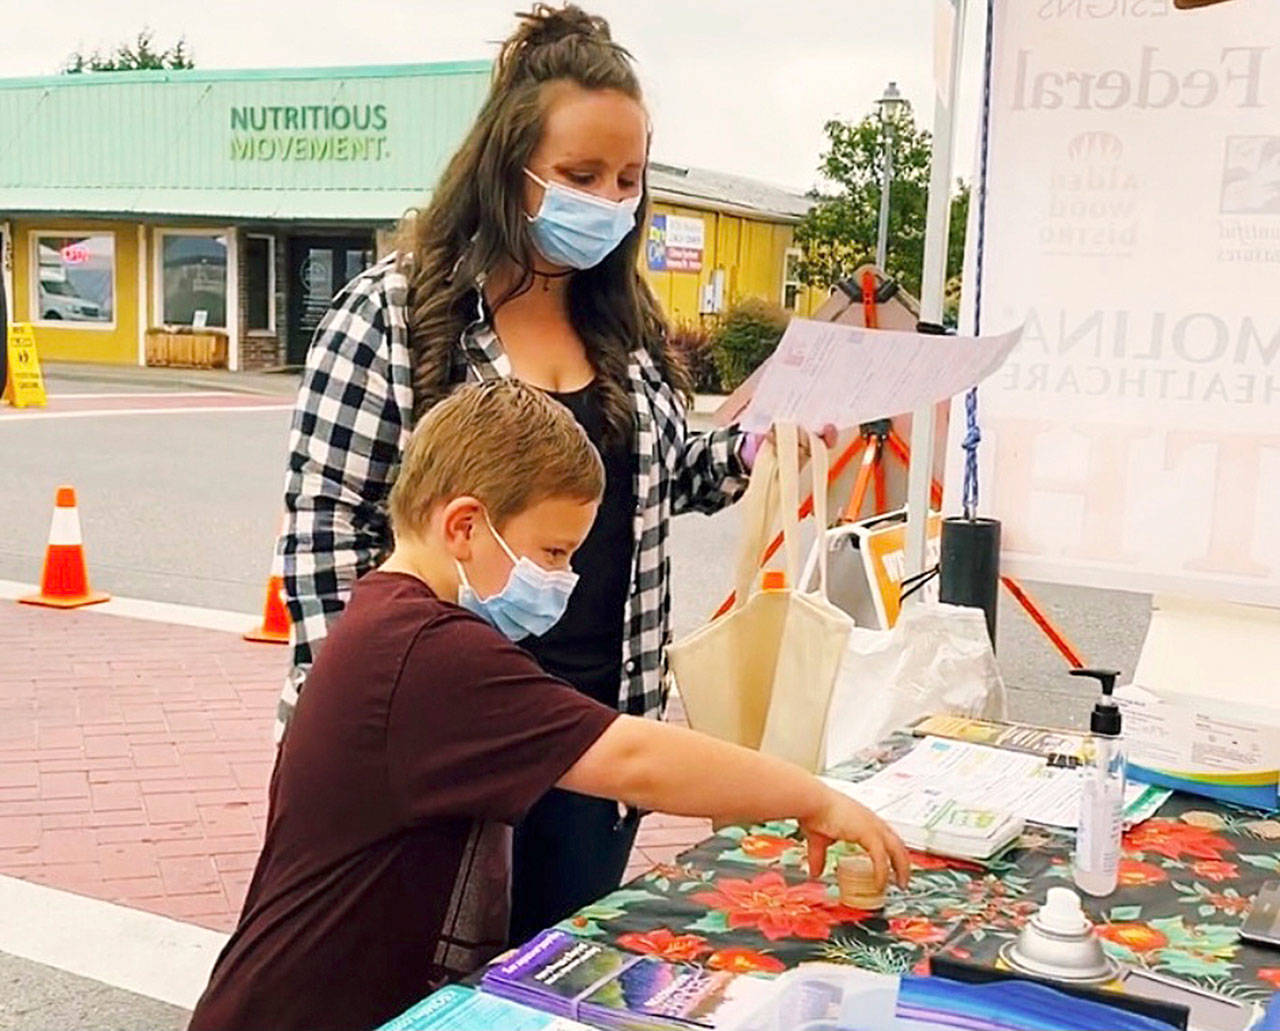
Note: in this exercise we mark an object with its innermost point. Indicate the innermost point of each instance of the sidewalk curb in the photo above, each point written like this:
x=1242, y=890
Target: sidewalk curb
x=149, y=611
x=131, y=949
x=142, y=376
x=266, y=382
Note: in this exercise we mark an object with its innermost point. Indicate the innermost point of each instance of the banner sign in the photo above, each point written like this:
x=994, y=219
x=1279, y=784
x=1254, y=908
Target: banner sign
x=884, y=559
x=676, y=243
x=1132, y=440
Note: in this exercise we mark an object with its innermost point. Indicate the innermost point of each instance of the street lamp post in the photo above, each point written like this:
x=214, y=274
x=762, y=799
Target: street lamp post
x=890, y=105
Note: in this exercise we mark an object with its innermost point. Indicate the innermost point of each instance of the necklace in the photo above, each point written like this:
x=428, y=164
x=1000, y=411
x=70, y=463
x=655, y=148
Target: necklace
x=546, y=278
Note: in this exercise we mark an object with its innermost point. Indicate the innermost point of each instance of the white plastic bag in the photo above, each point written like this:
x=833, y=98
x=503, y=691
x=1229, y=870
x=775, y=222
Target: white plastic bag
x=937, y=659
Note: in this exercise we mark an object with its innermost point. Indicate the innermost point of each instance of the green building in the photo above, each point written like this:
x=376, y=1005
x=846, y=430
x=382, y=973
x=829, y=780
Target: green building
x=136, y=207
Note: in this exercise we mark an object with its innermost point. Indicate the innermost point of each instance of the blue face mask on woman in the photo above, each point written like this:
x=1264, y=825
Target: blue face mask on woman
x=531, y=602
x=576, y=229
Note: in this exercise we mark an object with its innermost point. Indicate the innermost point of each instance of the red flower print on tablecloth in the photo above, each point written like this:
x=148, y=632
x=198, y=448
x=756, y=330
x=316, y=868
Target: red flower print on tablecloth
x=1215, y=870
x=1136, y=937
x=678, y=948
x=778, y=909
x=1173, y=840
x=926, y=861
x=1271, y=975
x=1134, y=873
x=1235, y=904
x=916, y=929
x=766, y=846
x=745, y=961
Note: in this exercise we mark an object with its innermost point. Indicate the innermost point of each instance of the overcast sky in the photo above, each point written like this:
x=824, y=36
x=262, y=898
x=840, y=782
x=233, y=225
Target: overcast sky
x=740, y=86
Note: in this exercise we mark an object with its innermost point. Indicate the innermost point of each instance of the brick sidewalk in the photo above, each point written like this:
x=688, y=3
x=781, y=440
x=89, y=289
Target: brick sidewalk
x=134, y=759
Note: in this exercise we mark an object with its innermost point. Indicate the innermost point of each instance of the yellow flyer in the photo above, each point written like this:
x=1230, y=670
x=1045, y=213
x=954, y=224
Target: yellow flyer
x=24, y=386
x=884, y=558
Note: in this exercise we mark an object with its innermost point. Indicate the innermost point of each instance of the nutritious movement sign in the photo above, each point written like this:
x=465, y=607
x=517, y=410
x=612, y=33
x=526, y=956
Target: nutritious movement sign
x=309, y=132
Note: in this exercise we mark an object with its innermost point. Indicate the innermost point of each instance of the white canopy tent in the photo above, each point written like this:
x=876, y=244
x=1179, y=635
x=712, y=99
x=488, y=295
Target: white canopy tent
x=1126, y=206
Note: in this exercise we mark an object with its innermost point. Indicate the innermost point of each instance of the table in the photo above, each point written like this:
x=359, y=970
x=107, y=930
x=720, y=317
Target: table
x=742, y=901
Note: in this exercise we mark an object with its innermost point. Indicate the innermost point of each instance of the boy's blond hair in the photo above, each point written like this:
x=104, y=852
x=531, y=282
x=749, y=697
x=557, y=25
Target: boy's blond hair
x=502, y=442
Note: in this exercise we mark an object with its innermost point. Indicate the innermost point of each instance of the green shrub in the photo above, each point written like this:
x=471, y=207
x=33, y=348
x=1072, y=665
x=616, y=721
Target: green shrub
x=746, y=337
x=694, y=345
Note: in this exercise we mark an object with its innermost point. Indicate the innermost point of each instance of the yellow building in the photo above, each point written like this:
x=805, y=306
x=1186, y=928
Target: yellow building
x=234, y=204
x=715, y=239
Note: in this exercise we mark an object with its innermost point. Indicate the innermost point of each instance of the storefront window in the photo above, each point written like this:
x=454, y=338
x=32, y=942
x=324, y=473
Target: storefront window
x=194, y=279
x=791, y=279
x=76, y=277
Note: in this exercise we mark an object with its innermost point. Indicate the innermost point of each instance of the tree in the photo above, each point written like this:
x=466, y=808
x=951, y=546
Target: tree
x=839, y=233
x=128, y=57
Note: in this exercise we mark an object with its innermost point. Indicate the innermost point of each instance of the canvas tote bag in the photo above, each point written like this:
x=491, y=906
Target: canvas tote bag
x=762, y=674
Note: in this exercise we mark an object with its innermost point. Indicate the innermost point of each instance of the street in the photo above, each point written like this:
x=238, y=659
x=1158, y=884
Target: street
x=180, y=507
x=183, y=507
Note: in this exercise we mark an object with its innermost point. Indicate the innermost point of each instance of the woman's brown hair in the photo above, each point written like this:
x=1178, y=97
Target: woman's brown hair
x=476, y=219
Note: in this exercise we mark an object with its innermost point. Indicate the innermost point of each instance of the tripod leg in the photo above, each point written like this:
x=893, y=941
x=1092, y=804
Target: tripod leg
x=882, y=495
x=1056, y=637
x=846, y=456
x=853, y=510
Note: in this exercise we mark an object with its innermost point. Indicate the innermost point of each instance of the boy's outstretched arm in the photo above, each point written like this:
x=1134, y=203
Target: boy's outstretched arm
x=673, y=770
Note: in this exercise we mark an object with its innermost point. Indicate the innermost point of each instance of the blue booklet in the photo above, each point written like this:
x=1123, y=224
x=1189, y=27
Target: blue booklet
x=455, y=1008
x=607, y=988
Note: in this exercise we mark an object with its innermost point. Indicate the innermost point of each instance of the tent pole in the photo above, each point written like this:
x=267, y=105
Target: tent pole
x=934, y=279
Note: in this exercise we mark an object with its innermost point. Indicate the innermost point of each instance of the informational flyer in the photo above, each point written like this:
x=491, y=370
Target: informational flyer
x=825, y=373
x=1018, y=783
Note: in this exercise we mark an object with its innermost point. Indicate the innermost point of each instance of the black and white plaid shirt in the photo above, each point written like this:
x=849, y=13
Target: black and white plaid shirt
x=350, y=426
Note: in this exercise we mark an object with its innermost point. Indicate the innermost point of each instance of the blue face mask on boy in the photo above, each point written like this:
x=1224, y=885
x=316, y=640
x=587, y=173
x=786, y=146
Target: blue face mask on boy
x=531, y=602
x=576, y=229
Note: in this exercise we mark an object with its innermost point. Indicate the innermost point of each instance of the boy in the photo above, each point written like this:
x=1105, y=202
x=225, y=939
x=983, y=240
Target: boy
x=424, y=733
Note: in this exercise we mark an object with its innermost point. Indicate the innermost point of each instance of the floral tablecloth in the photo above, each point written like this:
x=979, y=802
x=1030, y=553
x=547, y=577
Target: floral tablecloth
x=742, y=900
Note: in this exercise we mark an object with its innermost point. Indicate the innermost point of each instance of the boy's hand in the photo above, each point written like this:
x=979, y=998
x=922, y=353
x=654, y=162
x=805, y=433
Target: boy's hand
x=842, y=819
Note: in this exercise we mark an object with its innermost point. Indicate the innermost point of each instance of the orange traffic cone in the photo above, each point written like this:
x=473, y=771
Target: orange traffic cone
x=275, y=616
x=64, y=581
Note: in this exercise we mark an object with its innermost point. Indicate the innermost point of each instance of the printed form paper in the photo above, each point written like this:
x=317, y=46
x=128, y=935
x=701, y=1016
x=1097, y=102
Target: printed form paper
x=823, y=373
x=994, y=778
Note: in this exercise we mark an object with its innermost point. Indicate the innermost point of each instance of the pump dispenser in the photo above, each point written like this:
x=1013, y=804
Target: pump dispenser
x=1106, y=714
x=1097, y=857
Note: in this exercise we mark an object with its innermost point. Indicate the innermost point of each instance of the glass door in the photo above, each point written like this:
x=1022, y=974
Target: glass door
x=318, y=268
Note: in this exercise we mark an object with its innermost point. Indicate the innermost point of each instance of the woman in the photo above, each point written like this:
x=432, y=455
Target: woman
x=523, y=264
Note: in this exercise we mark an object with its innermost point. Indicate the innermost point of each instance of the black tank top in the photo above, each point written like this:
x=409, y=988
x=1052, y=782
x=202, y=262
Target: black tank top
x=585, y=647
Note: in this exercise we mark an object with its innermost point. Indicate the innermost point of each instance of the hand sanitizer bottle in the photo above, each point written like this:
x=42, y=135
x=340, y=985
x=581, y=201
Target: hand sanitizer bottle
x=1097, y=857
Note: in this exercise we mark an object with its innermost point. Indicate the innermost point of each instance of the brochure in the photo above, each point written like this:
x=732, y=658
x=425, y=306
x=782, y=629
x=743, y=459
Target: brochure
x=1020, y=785
x=455, y=1008
x=607, y=988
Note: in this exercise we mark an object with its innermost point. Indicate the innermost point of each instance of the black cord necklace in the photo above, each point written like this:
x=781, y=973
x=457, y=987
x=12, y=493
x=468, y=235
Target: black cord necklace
x=546, y=278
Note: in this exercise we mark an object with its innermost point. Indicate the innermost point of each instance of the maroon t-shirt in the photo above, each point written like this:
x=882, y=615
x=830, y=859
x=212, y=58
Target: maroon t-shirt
x=422, y=734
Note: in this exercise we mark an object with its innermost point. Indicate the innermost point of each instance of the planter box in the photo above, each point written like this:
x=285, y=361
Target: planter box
x=192, y=349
